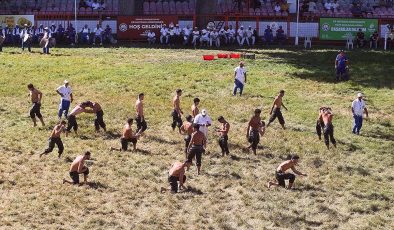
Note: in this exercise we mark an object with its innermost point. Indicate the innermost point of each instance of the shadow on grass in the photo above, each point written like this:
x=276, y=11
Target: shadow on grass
x=162, y=141
x=13, y=183
x=193, y=190
x=111, y=135
x=362, y=71
x=143, y=152
x=378, y=134
x=97, y=185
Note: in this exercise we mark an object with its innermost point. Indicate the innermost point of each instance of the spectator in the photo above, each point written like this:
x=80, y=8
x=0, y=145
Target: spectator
x=360, y=38
x=164, y=35
x=16, y=35
x=304, y=6
x=171, y=33
x=222, y=36
x=8, y=34
x=2, y=38
x=214, y=38
x=356, y=10
x=277, y=7
x=250, y=38
x=284, y=7
x=390, y=39
x=96, y=5
x=367, y=9
x=373, y=40
x=103, y=5
x=268, y=35
x=98, y=34
x=335, y=5
x=178, y=32
x=312, y=7
x=83, y=4
x=241, y=36
x=151, y=37
x=60, y=33
x=196, y=36
x=108, y=34
x=280, y=35
x=70, y=34
x=204, y=37
x=53, y=30
x=85, y=35
x=230, y=33
x=328, y=6
x=186, y=32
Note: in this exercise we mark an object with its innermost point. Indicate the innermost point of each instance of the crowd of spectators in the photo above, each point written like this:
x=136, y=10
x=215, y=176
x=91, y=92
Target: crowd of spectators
x=172, y=35
x=65, y=36
x=92, y=4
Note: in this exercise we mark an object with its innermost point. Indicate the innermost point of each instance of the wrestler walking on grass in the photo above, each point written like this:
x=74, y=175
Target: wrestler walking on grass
x=140, y=117
x=196, y=146
x=275, y=110
x=55, y=139
x=187, y=130
x=281, y=175
x=326, y=116
x=35, y=97
x=177, y=111
x=254, y=130
x=78, y=167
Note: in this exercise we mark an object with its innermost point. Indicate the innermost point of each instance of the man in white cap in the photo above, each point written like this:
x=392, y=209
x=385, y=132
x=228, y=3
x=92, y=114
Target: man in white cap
x=204, y=121
x=358, y=109
x=67, y=97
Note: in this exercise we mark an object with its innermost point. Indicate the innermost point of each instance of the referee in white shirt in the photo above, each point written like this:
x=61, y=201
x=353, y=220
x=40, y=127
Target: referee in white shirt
x=67, y=97
x=204, y=121
x=358, y=109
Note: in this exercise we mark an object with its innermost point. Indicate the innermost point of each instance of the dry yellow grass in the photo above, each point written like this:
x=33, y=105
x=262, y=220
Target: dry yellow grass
x=347, y=188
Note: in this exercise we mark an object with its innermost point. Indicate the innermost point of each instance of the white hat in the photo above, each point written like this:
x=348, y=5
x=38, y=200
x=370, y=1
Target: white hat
x=359, y=95
x=65, y=82
x=204, y=112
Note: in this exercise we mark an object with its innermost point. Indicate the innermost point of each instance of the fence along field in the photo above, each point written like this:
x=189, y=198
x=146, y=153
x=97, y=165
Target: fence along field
x=347, y=187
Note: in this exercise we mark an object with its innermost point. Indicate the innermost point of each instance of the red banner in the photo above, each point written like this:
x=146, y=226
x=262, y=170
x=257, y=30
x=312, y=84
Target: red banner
x=136, y=28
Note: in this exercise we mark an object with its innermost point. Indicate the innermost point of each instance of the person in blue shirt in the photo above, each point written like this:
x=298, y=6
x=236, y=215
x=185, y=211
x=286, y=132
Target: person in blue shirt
x=268, y=35
x=341, y=66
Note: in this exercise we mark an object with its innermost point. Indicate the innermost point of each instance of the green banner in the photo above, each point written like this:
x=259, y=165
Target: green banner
x=342, y=28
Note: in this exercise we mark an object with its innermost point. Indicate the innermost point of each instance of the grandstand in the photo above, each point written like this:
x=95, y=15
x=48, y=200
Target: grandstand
x=264, y=8
x=255, y=13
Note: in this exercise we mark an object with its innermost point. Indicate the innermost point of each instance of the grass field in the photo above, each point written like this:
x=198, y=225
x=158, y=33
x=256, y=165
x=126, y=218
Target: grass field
x=350, y=187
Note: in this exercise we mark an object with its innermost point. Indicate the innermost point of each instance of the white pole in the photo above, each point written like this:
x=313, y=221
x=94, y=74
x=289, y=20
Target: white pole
x=298, y=18
x=385, y=41
x=75, y=21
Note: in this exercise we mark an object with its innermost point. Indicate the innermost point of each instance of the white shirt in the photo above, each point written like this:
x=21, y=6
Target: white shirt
x=186, y=31
x=196, y=33
x=98, y=31
x=277, y=8
x=249, y=33
x=164, y=31
x=201, y=120
x=177, y=31
x=241, y=32
x=85, y=30
x=151, y=34
x=240, y=74
x=312, y=7
x=327, y=6
x=95, y=5
x=230, y=32
x=214, y=34
x=358, y=107
x=66, y=91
